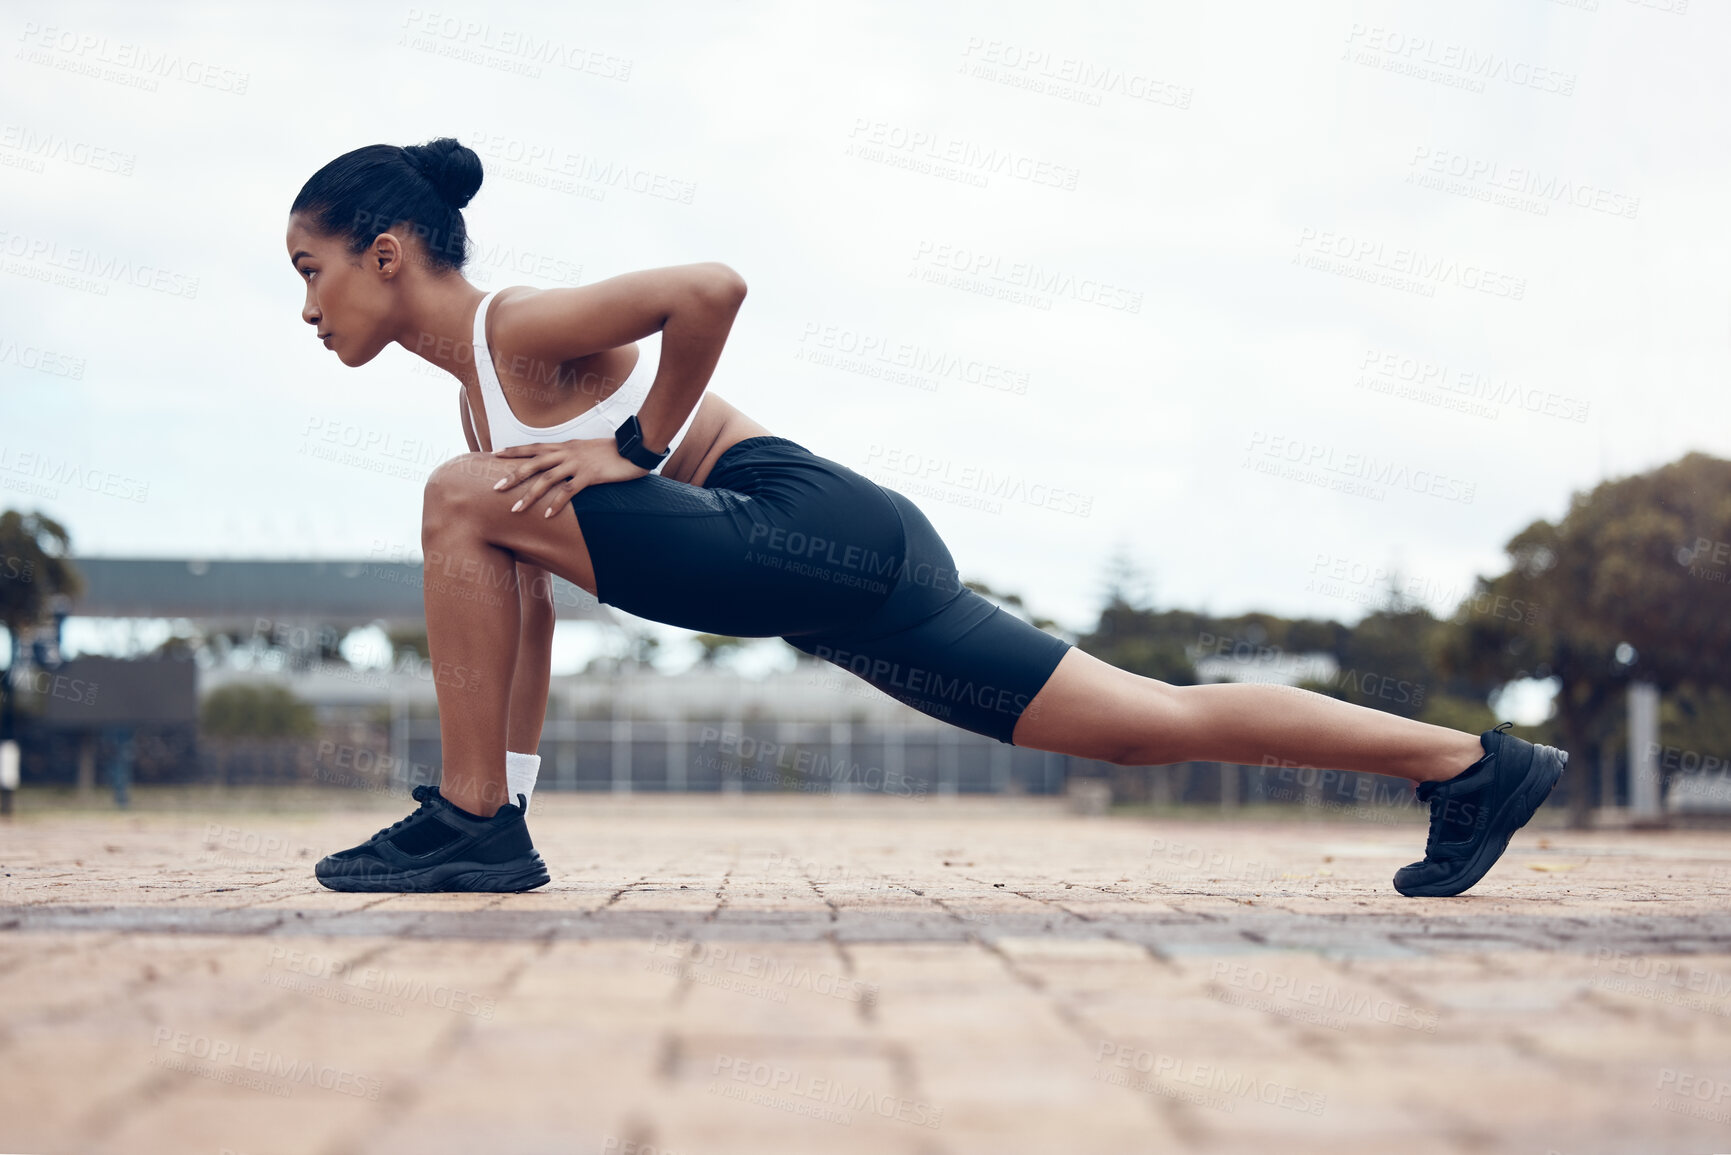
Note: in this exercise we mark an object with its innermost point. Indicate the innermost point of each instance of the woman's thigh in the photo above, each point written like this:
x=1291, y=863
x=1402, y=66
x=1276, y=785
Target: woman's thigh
x=940, y=647
x=971, y=664
x=795, y=547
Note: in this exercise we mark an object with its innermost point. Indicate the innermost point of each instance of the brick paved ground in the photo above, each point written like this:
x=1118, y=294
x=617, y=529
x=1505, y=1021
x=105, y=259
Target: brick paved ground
x=708, y=975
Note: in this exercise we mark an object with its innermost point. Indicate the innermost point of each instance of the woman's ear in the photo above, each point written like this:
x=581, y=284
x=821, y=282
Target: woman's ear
x=387, y=252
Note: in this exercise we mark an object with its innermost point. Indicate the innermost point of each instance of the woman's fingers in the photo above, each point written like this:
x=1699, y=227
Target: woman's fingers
x=551, y=456
x=561, y=495
x=554, y=470
x=546, y=480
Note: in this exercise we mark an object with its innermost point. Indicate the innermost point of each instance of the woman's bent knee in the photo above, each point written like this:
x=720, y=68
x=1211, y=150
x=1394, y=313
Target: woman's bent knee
x=459, y=487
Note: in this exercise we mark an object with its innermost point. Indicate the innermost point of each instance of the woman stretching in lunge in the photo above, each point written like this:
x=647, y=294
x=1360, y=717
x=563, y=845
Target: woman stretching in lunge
x=686, y=511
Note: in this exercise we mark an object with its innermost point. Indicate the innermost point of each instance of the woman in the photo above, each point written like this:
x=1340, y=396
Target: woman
x=689, y=512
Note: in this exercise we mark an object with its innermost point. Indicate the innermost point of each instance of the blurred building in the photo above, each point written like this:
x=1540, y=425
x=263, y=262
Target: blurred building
x=622, y=728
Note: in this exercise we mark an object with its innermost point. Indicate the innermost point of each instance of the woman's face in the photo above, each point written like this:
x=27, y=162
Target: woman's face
x=349, y=295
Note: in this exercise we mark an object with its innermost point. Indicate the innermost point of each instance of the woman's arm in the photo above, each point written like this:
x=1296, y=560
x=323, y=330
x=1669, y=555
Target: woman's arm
x=528, y=710
x=693, y=306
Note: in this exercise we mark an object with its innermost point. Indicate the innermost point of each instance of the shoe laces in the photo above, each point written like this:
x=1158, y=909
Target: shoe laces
x=427, y=796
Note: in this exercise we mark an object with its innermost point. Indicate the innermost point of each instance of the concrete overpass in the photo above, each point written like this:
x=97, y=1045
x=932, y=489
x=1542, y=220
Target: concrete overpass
x=234, y=593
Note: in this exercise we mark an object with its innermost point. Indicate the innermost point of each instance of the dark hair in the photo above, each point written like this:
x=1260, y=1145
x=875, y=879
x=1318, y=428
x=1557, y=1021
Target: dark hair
x=368, y=191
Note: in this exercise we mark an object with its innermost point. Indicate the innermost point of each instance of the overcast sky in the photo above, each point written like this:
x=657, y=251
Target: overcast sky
x=1269, y=296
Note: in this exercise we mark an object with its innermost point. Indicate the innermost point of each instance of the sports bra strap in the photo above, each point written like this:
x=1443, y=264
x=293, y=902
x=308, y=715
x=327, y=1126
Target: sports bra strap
x=492, y=393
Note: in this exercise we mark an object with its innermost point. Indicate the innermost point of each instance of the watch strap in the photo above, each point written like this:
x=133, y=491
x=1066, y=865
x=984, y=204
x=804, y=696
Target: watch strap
x=629, y=438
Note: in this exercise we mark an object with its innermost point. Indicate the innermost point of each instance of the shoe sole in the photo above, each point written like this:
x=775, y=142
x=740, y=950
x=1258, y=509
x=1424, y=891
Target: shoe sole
x=1517, y=810
x=504, y=877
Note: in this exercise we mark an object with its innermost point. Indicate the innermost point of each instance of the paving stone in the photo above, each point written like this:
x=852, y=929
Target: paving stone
x=984, y=965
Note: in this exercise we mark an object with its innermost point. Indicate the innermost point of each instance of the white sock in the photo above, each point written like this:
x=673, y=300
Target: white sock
x=521, y=771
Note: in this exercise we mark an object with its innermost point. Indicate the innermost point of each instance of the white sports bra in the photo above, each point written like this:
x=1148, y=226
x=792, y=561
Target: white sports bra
x=600, y=420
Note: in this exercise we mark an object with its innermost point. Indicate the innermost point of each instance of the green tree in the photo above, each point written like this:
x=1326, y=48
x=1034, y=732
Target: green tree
x=252, y=710
x=35, y=569
x=715, y=649
x=1640, y=561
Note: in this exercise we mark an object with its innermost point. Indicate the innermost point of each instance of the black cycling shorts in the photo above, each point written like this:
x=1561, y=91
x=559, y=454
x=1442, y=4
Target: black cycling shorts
x=779, y=542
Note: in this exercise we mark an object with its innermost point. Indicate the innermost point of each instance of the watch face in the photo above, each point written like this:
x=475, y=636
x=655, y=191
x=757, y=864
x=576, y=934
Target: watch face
x=629, y=437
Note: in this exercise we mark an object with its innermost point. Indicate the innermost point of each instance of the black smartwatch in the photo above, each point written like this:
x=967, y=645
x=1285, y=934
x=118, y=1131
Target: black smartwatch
x=629, y=438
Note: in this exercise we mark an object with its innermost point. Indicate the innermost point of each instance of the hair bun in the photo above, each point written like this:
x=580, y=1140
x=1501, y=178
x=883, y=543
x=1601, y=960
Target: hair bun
x=453, y=169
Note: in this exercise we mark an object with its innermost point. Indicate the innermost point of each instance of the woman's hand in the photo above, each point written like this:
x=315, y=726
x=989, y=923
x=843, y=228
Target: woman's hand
x=560, y=469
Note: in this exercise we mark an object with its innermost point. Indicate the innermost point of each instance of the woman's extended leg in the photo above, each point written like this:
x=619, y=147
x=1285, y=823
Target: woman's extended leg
x=1094, y=710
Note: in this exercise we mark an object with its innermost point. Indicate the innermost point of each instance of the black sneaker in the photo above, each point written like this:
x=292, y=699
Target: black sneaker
x=439, y=847
x=1474, y=814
